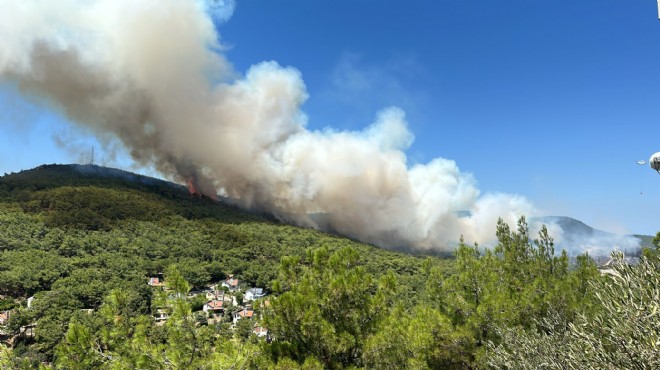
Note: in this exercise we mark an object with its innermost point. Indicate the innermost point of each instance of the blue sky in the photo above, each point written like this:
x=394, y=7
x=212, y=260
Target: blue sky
x=554, y=101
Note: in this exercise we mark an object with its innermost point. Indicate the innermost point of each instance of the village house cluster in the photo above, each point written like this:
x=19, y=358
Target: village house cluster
x=228, y=301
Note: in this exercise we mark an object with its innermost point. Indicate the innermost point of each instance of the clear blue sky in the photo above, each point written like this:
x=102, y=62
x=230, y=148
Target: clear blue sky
x=551, y=100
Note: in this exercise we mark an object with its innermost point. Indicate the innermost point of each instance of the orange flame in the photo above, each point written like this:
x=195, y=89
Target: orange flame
x=191, y=186
x=193, y=190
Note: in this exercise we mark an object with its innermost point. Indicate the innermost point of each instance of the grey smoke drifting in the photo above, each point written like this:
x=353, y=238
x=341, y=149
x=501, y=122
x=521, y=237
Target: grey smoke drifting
x=151, y=73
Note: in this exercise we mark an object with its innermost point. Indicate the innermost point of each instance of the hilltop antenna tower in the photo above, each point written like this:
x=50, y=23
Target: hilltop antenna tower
x=92, y=159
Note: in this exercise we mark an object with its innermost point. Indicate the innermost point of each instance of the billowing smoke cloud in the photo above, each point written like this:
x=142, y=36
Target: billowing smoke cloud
x=151, y=73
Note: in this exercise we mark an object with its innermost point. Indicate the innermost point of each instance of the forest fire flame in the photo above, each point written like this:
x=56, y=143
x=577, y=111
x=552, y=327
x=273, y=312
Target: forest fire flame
x=191, y=186
x=195, y=190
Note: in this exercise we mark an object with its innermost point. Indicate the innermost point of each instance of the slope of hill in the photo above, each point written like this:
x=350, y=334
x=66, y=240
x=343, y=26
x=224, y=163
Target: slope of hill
x=76, y=232
x=89, y=201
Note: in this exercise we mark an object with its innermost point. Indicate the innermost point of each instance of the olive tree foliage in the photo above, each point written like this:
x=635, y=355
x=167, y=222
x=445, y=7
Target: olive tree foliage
x=623, y=334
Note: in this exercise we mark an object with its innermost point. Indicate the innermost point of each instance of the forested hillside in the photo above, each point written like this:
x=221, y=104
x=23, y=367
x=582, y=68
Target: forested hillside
x=84, y=252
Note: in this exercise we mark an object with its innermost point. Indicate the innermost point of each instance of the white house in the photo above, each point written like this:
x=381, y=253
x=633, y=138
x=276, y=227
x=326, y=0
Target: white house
x=254, y=293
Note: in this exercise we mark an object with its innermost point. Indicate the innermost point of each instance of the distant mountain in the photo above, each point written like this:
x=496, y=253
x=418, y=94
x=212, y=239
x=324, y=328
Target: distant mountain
x=577, y=236
x=572, y=227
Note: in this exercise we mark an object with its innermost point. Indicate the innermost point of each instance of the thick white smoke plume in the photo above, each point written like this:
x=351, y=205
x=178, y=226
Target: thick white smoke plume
x=151, y=73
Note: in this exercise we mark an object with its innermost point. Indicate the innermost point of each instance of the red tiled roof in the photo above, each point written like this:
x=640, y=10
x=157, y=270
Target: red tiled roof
x=215, y=304
x=246, y=313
